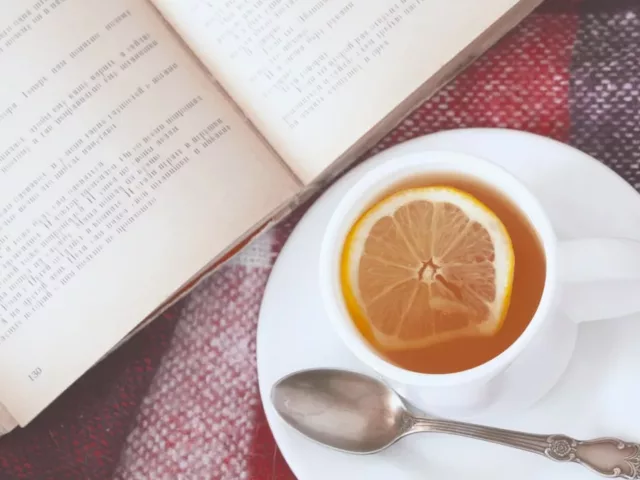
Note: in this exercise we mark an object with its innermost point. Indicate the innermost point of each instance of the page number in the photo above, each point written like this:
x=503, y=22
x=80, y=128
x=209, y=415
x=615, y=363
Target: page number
x=33, y=376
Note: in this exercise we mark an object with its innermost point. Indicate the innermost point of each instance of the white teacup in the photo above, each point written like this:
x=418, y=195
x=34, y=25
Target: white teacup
x=601, y=275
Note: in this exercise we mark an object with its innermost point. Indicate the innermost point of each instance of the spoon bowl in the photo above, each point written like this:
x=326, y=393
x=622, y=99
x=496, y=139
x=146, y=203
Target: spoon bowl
x=344, y=410
x=355, y=413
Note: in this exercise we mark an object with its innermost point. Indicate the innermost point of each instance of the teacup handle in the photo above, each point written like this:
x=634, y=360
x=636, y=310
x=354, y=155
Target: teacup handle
x=600, y=277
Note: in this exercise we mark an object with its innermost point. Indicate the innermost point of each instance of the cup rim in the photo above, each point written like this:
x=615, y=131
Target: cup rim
x=354, y=202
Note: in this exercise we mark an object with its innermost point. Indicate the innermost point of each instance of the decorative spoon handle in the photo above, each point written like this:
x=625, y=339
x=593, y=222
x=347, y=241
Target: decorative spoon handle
x=609, y=457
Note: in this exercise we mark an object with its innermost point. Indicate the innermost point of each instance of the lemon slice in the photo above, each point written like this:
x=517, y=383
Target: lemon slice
x=427, y=265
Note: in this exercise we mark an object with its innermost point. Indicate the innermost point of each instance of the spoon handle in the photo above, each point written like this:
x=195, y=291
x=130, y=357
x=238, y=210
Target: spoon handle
x=609, y=457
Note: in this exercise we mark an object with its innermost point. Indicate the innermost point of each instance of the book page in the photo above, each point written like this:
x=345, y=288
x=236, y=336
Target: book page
x=123, y=172
x=315, y=76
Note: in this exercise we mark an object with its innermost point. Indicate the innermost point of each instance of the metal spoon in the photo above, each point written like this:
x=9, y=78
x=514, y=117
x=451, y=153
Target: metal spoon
x=355, y=413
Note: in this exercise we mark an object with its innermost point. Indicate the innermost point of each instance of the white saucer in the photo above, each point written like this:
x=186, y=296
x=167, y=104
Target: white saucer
x=599, y=394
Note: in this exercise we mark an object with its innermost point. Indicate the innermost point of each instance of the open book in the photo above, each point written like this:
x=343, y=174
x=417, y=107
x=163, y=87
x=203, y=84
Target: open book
x=140, y=140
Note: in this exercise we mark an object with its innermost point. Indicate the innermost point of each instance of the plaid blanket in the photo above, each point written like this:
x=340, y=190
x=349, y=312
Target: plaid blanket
x=166, y=405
